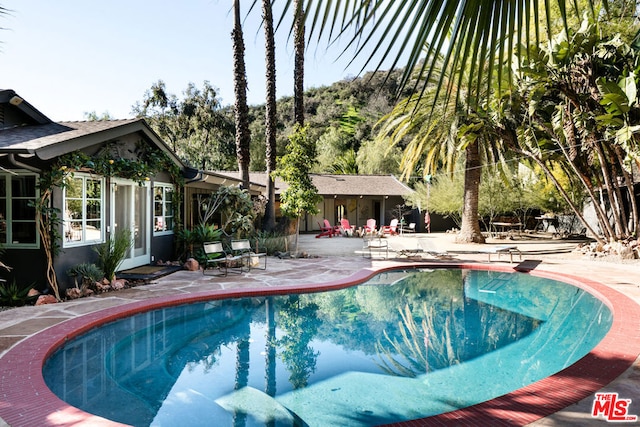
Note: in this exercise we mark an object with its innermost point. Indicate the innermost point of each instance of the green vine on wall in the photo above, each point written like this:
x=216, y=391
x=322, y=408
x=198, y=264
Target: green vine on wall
x=147, y=164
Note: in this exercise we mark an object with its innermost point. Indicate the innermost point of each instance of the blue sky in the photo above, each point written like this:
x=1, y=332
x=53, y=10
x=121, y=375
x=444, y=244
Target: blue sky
x=69, y=57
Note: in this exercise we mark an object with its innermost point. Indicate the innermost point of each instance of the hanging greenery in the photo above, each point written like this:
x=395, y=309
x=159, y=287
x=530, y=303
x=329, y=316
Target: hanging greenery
x=147, y=163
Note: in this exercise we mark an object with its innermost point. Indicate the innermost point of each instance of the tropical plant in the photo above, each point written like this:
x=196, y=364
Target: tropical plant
x=13, y=295
x=113, y=251
x=580, y=95
x=416, y=32
x=270, y=242
x=87, y=273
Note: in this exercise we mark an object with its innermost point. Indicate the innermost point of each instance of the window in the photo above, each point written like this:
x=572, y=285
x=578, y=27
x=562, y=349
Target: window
x=83, y=210
x=18, y=194
x=162, y=208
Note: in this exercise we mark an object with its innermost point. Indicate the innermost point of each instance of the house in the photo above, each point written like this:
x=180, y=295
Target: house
x=354, y=197
x=85, y=180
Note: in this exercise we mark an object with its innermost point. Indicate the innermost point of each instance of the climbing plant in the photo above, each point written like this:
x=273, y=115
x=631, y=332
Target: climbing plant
x=147, y=163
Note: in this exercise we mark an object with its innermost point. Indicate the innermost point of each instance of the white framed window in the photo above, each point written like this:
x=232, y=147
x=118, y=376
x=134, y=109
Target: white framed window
x=83, y=210
x=18, y=195
x=163, y=208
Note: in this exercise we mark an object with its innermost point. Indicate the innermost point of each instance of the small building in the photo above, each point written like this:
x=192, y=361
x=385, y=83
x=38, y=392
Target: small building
x=354, y=197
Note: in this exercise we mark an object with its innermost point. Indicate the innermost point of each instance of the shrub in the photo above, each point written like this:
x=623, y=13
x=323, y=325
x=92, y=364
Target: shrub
x=271, y=242
x=87, y=273
x=12, y=295
x=112, y=252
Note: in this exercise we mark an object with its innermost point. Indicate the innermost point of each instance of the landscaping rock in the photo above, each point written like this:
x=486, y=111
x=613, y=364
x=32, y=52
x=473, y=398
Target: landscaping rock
x=192, y=265
x=119, y=284
x=46, y=299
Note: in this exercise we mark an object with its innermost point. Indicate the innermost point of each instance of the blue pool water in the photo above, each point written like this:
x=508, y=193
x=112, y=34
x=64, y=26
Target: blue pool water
x=407, y=344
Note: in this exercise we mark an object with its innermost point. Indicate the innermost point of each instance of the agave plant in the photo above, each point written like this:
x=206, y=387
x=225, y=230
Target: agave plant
x=12, y=295
x=87, y=274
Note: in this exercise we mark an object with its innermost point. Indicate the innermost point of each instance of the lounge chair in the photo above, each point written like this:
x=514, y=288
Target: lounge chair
x=504, y=249
x=370, y=228
x=328, y=230
x=346, y=228
x=411, y=228
x=218, y=258
x=375, y=245
x=243, y=248
x=390, y=229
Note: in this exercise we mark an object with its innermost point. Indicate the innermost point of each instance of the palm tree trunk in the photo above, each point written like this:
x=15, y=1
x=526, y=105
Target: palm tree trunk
x=470, y=230
x=298, y=72
x=270, y=114
x=243, y=134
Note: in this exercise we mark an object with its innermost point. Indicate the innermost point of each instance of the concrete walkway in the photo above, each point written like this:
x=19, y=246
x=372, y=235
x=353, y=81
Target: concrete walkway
x=338, y=257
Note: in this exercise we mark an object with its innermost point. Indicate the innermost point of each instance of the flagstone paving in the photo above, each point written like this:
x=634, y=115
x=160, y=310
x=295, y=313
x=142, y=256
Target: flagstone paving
x=332, y=259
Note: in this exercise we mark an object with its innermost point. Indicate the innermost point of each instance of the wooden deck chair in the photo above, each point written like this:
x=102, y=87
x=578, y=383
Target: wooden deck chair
x=346, y=228
x=327, y=229
x=391, y=229
x=370, y=228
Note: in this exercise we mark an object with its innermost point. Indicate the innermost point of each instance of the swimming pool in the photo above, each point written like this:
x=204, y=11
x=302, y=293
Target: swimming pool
x=372, y=354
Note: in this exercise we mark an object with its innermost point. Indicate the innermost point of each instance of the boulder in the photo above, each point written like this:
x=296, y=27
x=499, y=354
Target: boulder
x=72, y=293
x=192, y=265
x=118, y=284
x=46, y=299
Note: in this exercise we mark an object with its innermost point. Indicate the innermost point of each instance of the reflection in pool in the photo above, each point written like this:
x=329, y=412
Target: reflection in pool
x=405, y=345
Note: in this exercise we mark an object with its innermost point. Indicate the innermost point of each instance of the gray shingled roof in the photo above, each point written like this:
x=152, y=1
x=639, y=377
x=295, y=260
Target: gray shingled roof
x=54, y=139
x=31, y=138
x=340, y=185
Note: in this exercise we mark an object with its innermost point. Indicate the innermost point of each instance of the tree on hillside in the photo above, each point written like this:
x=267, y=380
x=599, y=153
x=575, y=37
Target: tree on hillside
x=270, y=114
x=243, y=135
x=195, y=127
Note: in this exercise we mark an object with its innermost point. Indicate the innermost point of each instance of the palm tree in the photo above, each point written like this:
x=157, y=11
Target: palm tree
x=298, y=72
x=243, y=134
x=435, y=140
x=270, y=113
x=468, y=35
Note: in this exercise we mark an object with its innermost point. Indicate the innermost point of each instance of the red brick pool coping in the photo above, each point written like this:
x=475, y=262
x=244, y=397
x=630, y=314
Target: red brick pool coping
x=25, y=400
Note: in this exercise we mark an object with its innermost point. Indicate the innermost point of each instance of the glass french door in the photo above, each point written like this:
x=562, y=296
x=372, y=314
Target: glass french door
x=131, y=209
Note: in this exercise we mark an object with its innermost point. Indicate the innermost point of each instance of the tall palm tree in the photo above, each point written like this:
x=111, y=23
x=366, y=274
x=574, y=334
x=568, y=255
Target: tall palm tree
x=435, y=140
x=298, y=73
x=270, y=112
x=243, y=134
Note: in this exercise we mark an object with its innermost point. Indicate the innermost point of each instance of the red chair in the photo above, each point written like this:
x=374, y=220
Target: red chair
x=370, y=228
x=328, y=230
x=346, y=228
x=391, y=229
